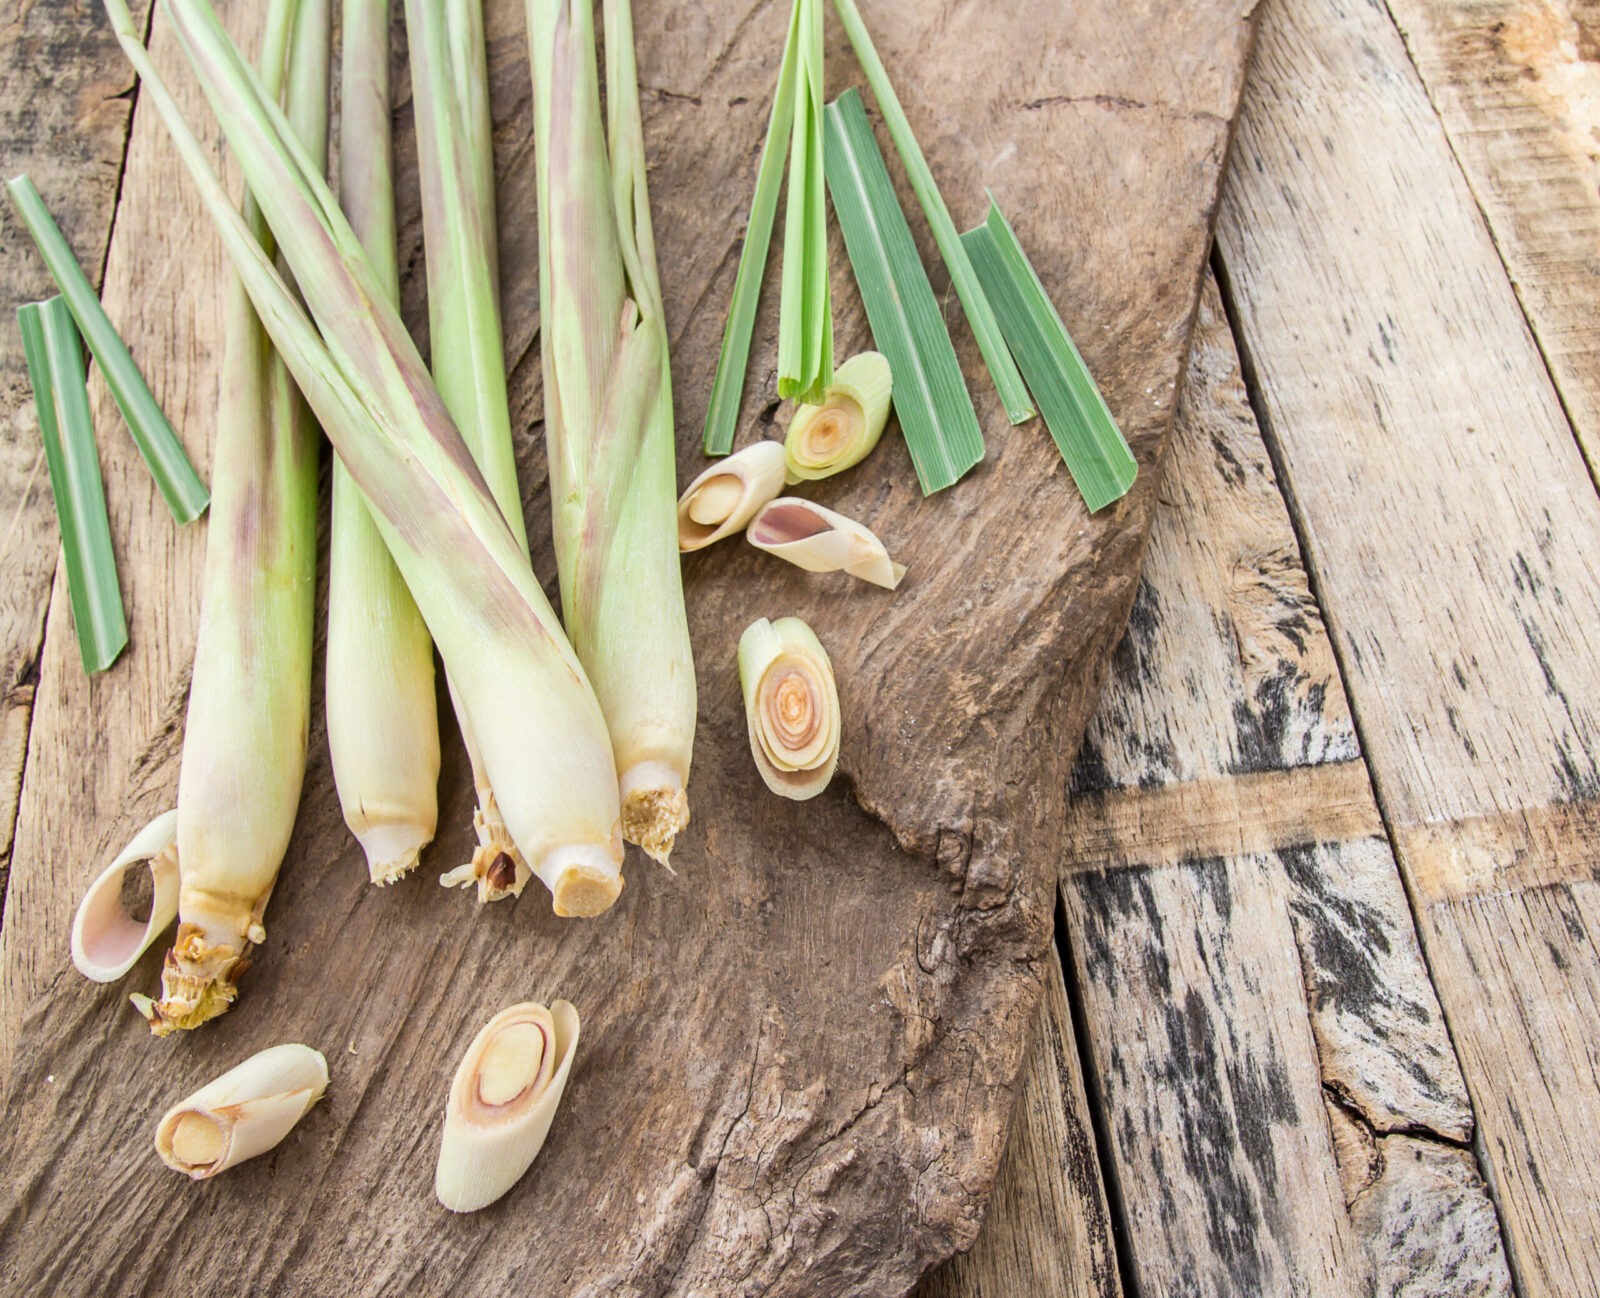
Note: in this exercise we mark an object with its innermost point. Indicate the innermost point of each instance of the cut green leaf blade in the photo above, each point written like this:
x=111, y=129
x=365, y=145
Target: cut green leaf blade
x=980, y=311
x=727, y=390
x=1074, y=411
x=60, y=395
x=805, y=314
x=179, y=484
x=930, y=394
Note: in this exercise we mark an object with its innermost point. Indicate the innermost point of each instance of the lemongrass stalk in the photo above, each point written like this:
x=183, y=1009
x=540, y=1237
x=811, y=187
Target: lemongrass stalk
x=542, y=732
x=244, y=748
x=455, y=150
x=383, y=723
x=244, y=1113
x=608, y=412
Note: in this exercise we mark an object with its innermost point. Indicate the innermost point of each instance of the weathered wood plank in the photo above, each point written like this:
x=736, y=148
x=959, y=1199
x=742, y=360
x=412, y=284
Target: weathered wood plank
x=1517, y=85
x=799, y=1056
x=1236, y=917
x=1047, y=1233
x=1450, y=523
x=64, y=112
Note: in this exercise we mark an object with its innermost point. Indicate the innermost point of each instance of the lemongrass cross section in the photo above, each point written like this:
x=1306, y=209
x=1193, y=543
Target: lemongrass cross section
x=723, y=499
x=503, y=1099
x=840, y=431
x=244, y=1113
x=791, y=706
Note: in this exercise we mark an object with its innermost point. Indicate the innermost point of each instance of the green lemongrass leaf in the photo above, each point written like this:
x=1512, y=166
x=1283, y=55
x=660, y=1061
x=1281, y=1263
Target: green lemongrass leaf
x=727, y=390
x=980, y=312
x=61, y=397
x=179, y=484
x=541, y=729
x=1074, y=411
x=449, y=80
x=383, y=726
x=805, y=314
x=930, y=394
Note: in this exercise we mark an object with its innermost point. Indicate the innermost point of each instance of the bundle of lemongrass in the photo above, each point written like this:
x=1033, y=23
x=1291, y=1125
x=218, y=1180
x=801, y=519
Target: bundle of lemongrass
x=420, y=515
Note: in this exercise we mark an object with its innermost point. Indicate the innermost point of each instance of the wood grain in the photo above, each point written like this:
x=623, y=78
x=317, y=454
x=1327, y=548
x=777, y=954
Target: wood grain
x=1450, y=523
x=1235, y=916
x=1047, y=1233
x=799, y=1054
x=1516, y=84
x=64, y=111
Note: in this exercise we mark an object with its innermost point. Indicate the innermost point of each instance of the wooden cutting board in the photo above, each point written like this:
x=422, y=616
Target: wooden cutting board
x=799, y=1052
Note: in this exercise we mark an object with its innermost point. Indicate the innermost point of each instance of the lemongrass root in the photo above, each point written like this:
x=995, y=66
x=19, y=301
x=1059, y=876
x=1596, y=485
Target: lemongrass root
x=245, y=1112
x=819, y=540
x=106, y=940
x=841, y=431
x=503, y=1099
x=723, y=499
x=791, y=705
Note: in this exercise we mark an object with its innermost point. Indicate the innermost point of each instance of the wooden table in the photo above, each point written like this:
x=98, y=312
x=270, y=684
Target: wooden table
x=1330, y=1021
x=1329, y=1013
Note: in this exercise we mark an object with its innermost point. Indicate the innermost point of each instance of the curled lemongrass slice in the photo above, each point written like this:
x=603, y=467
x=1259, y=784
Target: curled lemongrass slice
x=841, y=432
x=106, y=940
x=819, y=540
x=502, y=1100
x=791, y=705
x=723, y=499
x=245, y=1112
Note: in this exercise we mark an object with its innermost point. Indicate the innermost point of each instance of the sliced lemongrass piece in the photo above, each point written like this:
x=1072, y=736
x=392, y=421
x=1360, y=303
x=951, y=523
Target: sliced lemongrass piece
x=534, y=713
x=968, y=284
x=245, y=1112
x=106, y=940
x=727, y=389
x=179, y=484
x=805, y=314
x=503, y=1099
x=1076, y=414
x=383, y=723
x=840, y=432
x=930, y=394
x=819, y=540
x=61, y=398
x=723, y=499
x=791, y=706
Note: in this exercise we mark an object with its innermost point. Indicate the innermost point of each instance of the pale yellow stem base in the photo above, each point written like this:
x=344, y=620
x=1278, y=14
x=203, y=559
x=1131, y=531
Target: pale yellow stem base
x=199, y=980
x=655, y=808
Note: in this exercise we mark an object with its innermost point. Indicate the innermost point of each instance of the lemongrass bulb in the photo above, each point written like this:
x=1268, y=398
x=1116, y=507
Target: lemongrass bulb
x=245, y=1112
x=503, y=1099
x=791, y=706
x=841, y=432
x=106, y=940
x=723, y=499
x=819, y=540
